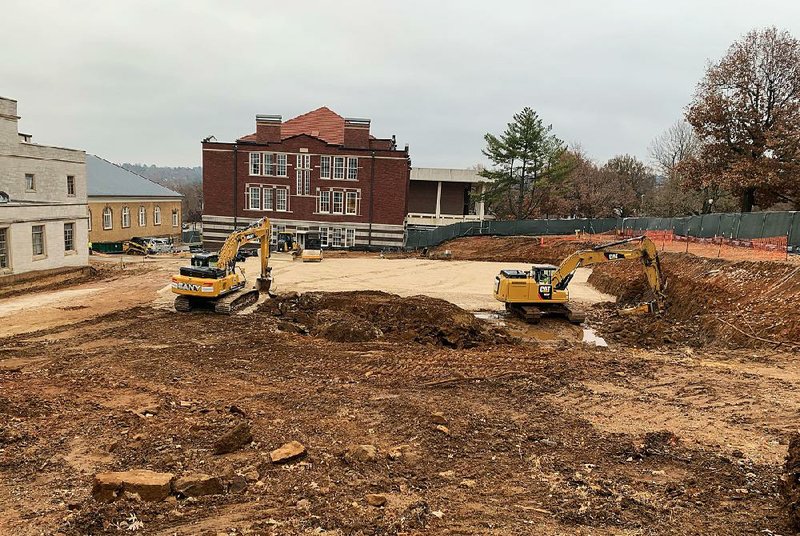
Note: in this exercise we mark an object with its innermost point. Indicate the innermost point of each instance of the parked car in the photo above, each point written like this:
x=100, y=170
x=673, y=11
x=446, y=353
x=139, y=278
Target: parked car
x=161, y=245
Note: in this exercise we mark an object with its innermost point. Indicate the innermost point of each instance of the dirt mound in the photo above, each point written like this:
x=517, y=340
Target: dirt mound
x=790, y=484
x=506, y=249
x=369, y=315
x=709, y=302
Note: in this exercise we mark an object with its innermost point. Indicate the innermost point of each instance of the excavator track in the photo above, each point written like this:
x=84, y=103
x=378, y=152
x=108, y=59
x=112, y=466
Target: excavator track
x=236, y=301
x=183, y=304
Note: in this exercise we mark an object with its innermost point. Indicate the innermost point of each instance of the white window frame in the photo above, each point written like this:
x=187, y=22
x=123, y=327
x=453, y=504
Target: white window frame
x=325, y=201
x=5, y=251
x=255, y=164
x=338, y=167
x=352, y=194
x=352, y=168
x=175, y=218
x=43, y=242
x=303, y=174
x=282, y=165
x=282, y=199
x=253, y=198
x=70, y=185
x=156, y=215
x=268, y=164
x=108, y=218
x=337, y=237
x=324, y=167
x=349, y=237
x=337, y=207
x=268, y=195
x=30, y=182
x=323, y=236
x=125, y=217
x=71, y=226
x=142, y=216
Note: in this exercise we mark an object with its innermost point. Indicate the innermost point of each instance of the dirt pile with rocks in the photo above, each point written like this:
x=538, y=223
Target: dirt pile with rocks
x=362, y=316
x=790, y=482
x=708, y=302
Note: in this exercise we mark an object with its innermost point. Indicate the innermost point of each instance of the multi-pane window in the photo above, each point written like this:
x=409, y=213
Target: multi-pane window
x=70, y=185
x=268, y=164
x=268, y=198
x=281, y=171
x=142, y=217
x=37, y=239
x=69, y=237
x=352, y=203
x=157, y=215
x=30, y=182
x=337, y=237
x=352, y=168
x=255, y=163
x=126, y=217
x=108, y=222
x=325, y=201
x=323, y=236
x=303, y=174
x=3, y=248
x=350, y=237
x=253, y=198
x=338, y=202
x=325, y=167
x=175, y=219
x=338, y=167
x=281, y=199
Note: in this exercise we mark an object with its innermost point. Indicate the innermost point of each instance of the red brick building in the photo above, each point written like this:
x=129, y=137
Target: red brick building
x=316, y=172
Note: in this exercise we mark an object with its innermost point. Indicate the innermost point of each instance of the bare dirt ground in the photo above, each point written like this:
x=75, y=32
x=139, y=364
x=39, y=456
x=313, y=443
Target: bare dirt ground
x=534, y=436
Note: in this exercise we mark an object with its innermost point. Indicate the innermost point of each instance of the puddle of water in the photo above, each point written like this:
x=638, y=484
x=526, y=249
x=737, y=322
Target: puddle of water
x=590, y=337
x=489, y=316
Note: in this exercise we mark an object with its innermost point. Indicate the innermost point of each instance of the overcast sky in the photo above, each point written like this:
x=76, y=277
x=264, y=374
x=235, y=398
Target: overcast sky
x=145, y=81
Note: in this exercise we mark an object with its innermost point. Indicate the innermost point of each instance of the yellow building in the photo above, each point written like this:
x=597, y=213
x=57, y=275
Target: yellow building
x=123, y=205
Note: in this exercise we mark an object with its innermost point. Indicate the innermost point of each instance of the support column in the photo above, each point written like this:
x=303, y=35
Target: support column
x=481, y=205
x=438, y=201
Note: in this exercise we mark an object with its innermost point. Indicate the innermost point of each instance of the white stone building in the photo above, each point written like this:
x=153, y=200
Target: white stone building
x=43, y=207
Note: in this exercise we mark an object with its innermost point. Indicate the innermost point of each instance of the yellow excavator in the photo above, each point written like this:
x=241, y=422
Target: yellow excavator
x=214, y=280
x=543, y=289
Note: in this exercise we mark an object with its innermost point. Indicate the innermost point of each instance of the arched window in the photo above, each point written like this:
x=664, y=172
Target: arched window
x=157, y=215
x=142, y=217
x=108, y=222
x=126, y=217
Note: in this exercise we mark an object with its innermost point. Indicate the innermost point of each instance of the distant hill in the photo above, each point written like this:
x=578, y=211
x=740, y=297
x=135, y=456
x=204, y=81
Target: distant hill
x=184, y=180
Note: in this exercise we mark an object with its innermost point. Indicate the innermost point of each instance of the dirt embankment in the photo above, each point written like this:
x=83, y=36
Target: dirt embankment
x=506, y=249
x=370, y=315
x=709, y=302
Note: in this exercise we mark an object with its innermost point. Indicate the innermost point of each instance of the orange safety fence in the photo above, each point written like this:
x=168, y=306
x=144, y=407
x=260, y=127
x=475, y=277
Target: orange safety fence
x=769, y=248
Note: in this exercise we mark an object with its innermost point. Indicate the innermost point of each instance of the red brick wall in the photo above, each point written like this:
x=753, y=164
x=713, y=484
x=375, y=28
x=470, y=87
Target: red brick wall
x=391, y=177
x=422, y=197
x=452, y=197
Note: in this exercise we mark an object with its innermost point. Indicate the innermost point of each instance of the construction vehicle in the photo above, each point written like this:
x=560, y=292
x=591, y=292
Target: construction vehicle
x=287, y=242
x=543, y=289
x=313, y=250
x=214, y=280
x=136, y=246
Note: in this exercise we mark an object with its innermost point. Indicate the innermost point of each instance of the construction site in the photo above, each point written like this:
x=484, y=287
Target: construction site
x=395, y=394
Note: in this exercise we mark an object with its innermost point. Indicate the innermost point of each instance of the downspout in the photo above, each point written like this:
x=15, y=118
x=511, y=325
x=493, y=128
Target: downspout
x=371, y=198
x=235, y=184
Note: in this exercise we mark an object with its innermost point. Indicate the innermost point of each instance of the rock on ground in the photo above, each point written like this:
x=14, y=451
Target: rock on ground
x=361, y=453
x=148, y=485
x=198, y=484
x=287, y=452
x=375, y=499
x=234, y=439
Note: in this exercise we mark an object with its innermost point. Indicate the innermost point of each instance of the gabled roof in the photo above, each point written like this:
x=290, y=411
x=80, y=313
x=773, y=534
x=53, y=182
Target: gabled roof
x=104, y=178
x=322, y=123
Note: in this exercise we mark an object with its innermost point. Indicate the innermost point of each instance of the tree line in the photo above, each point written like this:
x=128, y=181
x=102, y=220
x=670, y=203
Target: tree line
x=737, y=148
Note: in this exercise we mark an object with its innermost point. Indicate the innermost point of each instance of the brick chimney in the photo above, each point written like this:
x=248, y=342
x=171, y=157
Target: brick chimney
x=268, y=128
x=356, y=133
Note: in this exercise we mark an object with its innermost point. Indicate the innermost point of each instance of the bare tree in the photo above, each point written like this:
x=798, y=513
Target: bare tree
x=672, y=147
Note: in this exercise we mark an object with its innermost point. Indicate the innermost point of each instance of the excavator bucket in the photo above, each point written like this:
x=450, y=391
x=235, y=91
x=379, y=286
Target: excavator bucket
x=642, y=309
